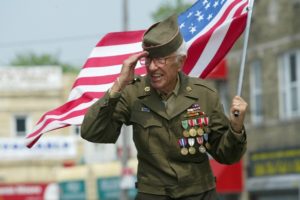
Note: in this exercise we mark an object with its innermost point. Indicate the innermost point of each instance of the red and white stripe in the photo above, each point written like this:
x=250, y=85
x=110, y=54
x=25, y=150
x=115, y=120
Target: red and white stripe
x=96, y=77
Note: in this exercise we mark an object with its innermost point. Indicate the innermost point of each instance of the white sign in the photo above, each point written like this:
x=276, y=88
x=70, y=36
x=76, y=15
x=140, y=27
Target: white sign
x=47, y=148
x=30, y=78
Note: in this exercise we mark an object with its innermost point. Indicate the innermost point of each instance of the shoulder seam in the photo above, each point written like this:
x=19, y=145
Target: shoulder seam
x=197, y=81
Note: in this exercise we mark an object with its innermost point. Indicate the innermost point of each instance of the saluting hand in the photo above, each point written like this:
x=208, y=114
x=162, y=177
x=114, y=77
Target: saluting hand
x=127, y=71
x=239, y=105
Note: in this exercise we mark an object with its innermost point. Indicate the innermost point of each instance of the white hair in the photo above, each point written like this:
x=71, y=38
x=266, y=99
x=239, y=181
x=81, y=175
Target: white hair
x=182, y=50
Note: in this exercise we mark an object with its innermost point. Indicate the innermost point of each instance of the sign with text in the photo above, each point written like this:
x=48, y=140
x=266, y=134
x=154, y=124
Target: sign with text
x=109, y=189
x=29, y=191
x=275, y=162
x=59, y=147
x=72, y=190
x=30, y=78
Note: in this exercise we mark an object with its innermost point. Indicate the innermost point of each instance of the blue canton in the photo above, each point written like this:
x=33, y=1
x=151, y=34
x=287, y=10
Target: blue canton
x=196, y=18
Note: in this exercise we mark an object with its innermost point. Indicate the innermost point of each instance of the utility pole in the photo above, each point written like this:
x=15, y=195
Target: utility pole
x=125, y=130
x=125, y=15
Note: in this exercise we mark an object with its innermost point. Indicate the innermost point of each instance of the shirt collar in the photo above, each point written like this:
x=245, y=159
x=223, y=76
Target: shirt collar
x=177, y=86
x=174, y=92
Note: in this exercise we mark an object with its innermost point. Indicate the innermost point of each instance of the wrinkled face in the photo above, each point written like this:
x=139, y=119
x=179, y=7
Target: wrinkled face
x=163, y=72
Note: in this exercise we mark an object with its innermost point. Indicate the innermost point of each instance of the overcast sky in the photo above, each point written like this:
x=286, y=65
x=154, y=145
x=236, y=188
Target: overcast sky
x=68, y=29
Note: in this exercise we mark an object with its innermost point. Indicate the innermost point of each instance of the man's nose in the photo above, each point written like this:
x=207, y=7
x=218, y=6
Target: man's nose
x=152, y=66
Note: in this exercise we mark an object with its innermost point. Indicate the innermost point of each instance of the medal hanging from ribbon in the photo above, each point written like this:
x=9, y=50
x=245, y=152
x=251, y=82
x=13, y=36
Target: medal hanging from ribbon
x=207, y=145
x=200, y=140
x=185, y=126
x=201, y=147
x=200, y=124
x=191, y=142
x=182, y=143
x=192, y=130
x=206, y=120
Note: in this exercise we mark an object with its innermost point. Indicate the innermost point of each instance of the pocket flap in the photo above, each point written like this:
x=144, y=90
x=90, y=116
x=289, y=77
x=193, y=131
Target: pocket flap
x=144, y=119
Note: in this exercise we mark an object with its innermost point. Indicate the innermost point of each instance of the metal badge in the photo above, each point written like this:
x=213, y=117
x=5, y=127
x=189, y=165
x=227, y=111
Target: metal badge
x=147, y=89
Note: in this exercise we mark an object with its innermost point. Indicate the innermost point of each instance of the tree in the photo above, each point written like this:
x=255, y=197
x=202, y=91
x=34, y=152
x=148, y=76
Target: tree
x=168, y=8
x=31, y=59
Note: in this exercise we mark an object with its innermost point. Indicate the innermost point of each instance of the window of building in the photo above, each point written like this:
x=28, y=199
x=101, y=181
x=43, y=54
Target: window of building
x=296, y=2
x=222, y=87
x=76, y=130
x=20, y=125
x=289, y=84
x=256, y=92
x=273, y=12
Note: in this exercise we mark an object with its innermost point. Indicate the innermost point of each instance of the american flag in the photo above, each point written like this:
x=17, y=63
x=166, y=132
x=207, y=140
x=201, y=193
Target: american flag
x=209, y=27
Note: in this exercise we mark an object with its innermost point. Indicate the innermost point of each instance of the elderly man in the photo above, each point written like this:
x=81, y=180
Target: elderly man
x=177, y=120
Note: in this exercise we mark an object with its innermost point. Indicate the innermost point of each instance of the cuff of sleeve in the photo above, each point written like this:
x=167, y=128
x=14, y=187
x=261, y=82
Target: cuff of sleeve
x=114, y=95
x=241, y=137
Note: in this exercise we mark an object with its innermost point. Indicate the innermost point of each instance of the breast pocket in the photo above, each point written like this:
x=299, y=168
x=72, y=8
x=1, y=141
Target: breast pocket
x=147, y=131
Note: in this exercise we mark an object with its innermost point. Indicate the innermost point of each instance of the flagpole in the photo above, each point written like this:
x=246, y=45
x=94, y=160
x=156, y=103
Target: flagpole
x=245, y=45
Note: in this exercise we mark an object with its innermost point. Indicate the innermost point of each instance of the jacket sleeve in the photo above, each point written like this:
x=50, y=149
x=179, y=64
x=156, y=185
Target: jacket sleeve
x=227, y=147
x=103, y=120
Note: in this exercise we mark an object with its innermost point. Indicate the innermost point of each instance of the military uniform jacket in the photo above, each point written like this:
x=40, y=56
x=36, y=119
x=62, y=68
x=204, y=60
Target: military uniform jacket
x=162, y=169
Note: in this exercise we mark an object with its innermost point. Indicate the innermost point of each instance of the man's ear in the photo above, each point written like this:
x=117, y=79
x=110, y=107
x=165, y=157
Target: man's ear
x=182, y=60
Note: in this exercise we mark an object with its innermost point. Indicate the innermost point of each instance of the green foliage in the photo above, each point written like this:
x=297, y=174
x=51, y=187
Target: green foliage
x=31, y=59
x=168, y=8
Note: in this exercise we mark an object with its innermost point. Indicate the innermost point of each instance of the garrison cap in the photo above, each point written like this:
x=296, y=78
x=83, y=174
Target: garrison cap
x=162, y=38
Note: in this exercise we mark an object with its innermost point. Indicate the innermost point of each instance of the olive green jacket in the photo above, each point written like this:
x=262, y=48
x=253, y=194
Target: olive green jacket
x=162, y=169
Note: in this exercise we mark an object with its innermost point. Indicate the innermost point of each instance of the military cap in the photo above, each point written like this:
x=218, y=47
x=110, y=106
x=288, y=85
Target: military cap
x=162, y=38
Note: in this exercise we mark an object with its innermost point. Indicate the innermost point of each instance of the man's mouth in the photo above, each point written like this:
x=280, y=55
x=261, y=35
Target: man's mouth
x=156, y=77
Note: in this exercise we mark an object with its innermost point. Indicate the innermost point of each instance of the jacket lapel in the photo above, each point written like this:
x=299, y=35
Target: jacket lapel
x=155, y=104
x=186, y=97
x=151, y=99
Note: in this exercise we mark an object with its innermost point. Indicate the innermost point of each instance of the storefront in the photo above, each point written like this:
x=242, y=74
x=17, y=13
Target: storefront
x=29, y=191
x=109, y=189
x=274, y=174
x=72, y=190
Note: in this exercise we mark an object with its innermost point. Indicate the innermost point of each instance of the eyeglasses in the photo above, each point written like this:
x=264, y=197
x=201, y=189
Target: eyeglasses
x=160, y=62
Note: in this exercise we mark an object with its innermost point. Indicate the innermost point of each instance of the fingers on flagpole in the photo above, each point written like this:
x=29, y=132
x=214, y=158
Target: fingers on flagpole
x=236, y=113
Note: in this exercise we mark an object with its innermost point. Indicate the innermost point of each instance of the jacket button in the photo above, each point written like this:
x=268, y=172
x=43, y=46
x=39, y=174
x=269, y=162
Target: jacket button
x=188, y=88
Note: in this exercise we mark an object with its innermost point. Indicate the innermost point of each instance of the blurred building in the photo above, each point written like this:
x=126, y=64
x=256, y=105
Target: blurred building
x=61, y=160
x=272, y=88
x=26, y=93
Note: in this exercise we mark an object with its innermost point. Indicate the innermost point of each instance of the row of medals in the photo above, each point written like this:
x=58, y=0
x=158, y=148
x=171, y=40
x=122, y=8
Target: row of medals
x=194, y=127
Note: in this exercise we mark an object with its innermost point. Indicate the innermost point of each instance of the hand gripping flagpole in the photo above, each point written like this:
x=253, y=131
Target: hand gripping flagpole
x=245, y=45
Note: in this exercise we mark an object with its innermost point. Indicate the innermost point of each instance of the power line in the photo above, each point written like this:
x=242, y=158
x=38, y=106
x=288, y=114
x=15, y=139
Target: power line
x=47, y=41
